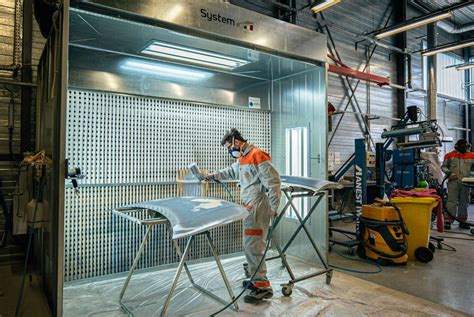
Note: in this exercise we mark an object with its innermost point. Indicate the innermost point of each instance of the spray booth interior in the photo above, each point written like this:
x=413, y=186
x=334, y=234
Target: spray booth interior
x=143, y=90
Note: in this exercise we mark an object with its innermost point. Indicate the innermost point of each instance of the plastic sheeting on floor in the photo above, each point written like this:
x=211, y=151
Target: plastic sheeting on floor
x=346, y=296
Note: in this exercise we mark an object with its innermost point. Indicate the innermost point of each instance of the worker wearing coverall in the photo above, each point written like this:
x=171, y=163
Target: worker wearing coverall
x=260, y=193
x=456, y=165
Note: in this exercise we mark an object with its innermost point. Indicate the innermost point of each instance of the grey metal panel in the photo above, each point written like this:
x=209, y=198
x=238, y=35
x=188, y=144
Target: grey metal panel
x=268, y=33
x=300, y=101
x=130, y=143
x=191, y=215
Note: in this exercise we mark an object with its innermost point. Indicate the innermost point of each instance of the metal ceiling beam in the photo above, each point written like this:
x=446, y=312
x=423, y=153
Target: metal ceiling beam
x=445, y=25
x=346, y=71
x=427, y=15
x=403, y=77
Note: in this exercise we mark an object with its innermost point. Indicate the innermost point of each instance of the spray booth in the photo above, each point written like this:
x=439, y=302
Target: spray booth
x=132, y=92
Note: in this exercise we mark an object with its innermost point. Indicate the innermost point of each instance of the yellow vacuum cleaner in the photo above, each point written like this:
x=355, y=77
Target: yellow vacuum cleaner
x=383, y=234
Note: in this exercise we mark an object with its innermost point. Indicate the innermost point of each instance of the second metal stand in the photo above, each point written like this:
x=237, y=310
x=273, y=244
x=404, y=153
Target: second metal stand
x=287, y=288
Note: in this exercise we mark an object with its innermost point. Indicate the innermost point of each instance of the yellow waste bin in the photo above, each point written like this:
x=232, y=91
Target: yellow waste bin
x=416, y=212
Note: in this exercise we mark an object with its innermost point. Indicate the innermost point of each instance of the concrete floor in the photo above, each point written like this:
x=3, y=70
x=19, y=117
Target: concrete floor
x=447, y=280
x=34, y=303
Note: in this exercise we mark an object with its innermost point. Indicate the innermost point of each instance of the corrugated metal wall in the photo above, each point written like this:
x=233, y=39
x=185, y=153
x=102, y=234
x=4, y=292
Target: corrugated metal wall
x=361, y=16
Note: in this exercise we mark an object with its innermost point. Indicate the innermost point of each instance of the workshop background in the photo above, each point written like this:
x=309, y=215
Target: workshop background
x=362, y=110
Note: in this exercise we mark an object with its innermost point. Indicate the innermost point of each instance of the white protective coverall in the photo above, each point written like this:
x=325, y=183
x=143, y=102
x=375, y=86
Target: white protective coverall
x=260, y=191
x=457, y=164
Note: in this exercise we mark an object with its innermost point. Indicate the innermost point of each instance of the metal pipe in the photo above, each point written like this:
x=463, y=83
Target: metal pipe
x=176, y=276
x=221, y=269
x=467, y=96
x=418, y=145
x=26, y=76
x=135, y=262
x=16, y=83
x=403, y=132
x=432, y=72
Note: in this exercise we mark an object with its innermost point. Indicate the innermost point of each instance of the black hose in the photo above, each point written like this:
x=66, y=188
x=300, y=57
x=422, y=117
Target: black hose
x=369, y=223
x=38, y=197
x=251, y=278
x=269, y=239
x=226, y=189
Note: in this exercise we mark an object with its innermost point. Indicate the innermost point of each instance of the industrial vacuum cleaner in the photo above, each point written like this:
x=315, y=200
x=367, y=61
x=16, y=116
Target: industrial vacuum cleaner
x=383, y=234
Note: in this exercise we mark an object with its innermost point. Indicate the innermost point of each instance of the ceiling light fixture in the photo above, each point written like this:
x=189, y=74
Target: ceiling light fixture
x=167, y=71
x=448, y=47
x=323, y=5
x=412, y=24
x=192, y=55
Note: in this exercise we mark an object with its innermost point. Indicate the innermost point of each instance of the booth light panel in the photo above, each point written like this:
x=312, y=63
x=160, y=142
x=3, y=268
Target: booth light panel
x=323, y=5
x=413, y=25
x=160, y=70
x=448, y=48
x=192, y=55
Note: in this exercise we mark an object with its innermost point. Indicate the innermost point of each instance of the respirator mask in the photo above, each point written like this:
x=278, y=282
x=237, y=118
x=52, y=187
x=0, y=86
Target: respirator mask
x=234, y=152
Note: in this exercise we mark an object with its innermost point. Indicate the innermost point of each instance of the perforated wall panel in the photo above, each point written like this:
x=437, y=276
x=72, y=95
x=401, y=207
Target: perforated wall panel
x=130, y=148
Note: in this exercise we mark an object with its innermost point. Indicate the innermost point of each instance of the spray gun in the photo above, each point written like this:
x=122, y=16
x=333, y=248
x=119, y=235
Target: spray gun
x=194, y=169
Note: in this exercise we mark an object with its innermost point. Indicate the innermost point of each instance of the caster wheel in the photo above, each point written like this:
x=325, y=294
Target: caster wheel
x=351, y=252
x=432, y=247
x=287, y=290
x=361, y=251
x=330, y=248
x=424, y=254
x=328, y=278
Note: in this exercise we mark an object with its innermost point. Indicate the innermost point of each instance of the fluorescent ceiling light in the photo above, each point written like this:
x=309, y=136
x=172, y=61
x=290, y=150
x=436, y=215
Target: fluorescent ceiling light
x=323, y=5
x=447, y=48
x=412, y=25
x=168, y=71
x=192, y=55
x=465, y=66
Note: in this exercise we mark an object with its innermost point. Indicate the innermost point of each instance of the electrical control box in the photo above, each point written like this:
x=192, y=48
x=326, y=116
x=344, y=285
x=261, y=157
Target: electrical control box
x=405, y=176
x=404, y=157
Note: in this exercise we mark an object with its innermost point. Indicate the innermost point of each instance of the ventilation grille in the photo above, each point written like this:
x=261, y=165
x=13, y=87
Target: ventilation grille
x=130, y=149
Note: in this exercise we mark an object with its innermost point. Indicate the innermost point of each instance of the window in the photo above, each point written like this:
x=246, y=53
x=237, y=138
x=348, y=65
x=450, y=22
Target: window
x=450, y=81
x=297, y=162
